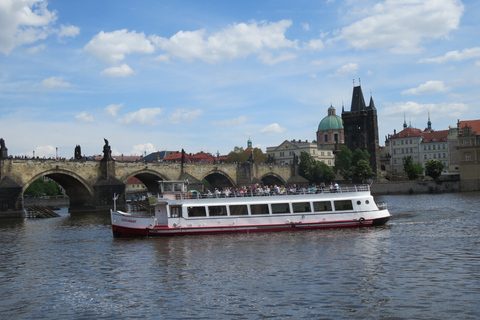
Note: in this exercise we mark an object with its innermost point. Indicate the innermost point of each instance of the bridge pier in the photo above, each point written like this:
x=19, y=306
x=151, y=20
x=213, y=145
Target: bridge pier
x=11, y=199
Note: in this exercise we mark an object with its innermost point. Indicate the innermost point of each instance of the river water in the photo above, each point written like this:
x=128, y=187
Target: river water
x=424, y=264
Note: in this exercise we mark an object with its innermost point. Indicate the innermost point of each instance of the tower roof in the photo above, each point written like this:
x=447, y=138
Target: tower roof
x=358, y=102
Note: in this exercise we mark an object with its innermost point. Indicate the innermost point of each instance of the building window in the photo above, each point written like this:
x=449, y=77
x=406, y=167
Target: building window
x=335, y=137
x=467, y=157
x=433, y=147
x=325, y=138
x=282, y=154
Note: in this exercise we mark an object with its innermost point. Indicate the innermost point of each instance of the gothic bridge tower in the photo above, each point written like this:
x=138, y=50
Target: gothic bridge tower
x=361, y=127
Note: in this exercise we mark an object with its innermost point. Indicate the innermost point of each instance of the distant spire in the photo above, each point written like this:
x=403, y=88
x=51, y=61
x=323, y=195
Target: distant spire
x=359, y=82
x=429, y=123
x=404, y=121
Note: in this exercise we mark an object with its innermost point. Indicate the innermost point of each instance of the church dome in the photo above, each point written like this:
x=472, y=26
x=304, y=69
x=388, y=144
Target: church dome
x=331, y=122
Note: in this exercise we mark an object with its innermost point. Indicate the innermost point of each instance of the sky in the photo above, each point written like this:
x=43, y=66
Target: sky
x=208, y=75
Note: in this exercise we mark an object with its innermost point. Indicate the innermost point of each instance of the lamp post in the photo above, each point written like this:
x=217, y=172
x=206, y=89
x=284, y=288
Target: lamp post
x=56, y=151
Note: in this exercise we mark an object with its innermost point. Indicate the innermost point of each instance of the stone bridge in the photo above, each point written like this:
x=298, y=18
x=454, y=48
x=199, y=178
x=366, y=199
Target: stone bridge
x=91, y=185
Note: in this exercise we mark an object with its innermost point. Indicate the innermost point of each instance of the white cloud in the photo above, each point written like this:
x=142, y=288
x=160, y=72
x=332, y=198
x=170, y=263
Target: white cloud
x=182, y=115
x=314, y=44
x=273, y=128
x=55, y=82
x=84, y=117
x=402, y=25
x=306, y=26
x=118, y=71
x=465, y=54
x=142, y=116
x=410, y=108
x=23, y=22
x=350, y=68
x=236, y=41
x=46, y=151
x=428, y=87
x=230, y=122
x=111, y=47
x=68, y=31
x=112, y=109
x=140, y=149
x=269, y=59
x=36, y=49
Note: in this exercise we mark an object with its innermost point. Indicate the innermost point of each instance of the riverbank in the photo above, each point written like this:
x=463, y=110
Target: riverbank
x=410, y=187
x=47, y=201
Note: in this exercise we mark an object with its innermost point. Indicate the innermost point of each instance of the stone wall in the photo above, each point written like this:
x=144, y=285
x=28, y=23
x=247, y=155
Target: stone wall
x=407, y=187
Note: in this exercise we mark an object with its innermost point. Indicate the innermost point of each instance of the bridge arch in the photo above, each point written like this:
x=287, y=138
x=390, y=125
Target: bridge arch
x=79, y=191
x=272, y=179
x=149, y=178
x=219, y=179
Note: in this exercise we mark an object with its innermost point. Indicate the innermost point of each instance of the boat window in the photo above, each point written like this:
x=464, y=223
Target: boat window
x=177, y=187
x=197, y=212
x=301, y=207
x=343, y=205
x=322, y=206
x=238, y=210
x=176, y=212
x=259, y=208
x=280, y=208
x=217, y=211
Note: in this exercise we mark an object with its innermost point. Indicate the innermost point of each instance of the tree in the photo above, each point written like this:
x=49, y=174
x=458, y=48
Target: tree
x=322, y=172
x=240, y=155
x=305, y=165
x=343, y=163
x=41, y=187
x=434, y=168
x=413, y=170
x=362, y=171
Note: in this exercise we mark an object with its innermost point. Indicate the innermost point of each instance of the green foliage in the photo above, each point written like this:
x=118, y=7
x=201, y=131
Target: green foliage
x=362, y=171
x=354, y=165
x=241, y=155
x=413, y=170
x=322, y=172
x=434, y=168
x=343, y=163
x=41, y=187
x=305, y=165
x=314, y=171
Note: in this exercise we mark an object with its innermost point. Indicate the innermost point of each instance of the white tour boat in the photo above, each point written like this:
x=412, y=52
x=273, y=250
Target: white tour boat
x=177, y=212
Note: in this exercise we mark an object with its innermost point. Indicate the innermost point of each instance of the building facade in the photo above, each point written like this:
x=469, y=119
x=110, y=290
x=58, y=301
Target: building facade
x=288, y=151
x=469, y=154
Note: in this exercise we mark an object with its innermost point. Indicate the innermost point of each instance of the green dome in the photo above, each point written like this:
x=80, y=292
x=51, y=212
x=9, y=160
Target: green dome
x=331, y=122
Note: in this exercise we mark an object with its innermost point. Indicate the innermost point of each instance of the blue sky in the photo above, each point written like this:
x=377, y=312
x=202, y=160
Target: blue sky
x=209, y=75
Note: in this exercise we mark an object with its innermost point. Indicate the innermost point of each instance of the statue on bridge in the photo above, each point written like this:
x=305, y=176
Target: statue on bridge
x=78, y=153
x=107, y=151
x=3, y=149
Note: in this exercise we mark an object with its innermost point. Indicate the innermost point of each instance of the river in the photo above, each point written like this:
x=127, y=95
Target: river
x=424, y=264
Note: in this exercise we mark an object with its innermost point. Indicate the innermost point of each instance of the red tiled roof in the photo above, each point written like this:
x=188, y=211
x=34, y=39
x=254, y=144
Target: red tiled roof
x=474, y=124
x=408, y=132
x=435, y=136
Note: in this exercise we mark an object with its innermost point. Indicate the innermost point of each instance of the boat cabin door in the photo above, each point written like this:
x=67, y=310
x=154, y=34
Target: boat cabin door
x=161, y=214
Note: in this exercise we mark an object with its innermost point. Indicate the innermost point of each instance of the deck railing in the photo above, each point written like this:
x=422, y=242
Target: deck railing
x=272, y=193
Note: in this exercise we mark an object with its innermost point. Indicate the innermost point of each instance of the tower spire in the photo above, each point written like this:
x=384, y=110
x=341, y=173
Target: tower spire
x=429, y=123
x=404, y=121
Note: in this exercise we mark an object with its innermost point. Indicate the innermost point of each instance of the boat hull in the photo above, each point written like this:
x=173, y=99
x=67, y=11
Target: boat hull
x=122, y=231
